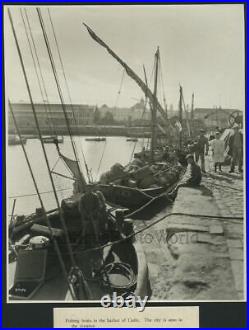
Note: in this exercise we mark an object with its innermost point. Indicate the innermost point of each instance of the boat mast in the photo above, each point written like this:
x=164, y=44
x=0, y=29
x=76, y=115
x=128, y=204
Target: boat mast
x=154, y=110
x=192, y=106
x=54, y=241
x=129, y=72
x=82, y=179
x=180, y=118
x=165, y=107
x=61, y=215
x=192, y=114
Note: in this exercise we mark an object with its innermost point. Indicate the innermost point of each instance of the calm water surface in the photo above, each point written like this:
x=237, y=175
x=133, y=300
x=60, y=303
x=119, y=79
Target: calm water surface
x=100, y=156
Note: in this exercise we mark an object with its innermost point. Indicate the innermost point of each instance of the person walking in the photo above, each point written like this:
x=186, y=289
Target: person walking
x=218, y=149
x=201, y=149
x=235, y=144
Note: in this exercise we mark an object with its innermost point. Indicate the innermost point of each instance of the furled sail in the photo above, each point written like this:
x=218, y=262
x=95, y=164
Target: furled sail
x=131, y=73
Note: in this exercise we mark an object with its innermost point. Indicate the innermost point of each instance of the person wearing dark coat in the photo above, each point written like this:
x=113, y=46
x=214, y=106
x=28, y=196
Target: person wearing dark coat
x=201, y=149
x=235, y=151
x=191, y=178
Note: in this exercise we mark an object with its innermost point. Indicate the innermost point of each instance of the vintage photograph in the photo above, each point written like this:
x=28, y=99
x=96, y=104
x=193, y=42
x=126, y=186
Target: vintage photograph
x=125, y=153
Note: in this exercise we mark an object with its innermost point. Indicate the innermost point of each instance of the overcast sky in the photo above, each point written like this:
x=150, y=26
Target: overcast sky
x=201, y=47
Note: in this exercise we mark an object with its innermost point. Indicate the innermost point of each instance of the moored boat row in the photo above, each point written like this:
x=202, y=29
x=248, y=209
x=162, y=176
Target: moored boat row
x=87, y=247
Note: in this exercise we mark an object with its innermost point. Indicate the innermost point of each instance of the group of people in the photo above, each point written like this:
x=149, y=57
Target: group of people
x=232, y=148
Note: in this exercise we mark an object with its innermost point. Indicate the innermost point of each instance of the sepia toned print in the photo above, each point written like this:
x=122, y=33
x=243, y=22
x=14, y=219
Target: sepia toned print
x=126, y=152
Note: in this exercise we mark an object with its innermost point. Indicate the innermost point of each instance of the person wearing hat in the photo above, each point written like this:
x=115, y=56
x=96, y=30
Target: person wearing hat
x=201, y=149
x=218, y=148
x=192, y=175
x=235, y=144
x=191, y=178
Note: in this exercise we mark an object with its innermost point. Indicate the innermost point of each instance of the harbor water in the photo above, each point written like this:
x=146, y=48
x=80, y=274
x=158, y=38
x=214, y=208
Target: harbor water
x=99, y=157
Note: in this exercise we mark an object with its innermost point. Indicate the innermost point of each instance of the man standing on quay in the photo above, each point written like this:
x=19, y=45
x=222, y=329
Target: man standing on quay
x=236, y=148
x=200, y=152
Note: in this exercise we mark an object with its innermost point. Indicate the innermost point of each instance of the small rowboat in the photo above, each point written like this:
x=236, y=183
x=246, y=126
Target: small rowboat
x=52, y=139
x=132, y=139
x=96, y=139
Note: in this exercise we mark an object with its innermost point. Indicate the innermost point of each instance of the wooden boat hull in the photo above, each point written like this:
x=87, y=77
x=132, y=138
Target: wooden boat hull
x=102, y=248
x=135, y=198
x=96, y=139
x=127, y=253
x=127, y=197
x=53, y=287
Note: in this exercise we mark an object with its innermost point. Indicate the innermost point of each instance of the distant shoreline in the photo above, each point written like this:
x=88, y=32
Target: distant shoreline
x=88, y=131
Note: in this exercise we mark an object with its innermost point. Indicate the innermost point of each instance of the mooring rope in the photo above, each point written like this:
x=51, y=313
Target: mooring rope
x=156, y=222
x=35, y=194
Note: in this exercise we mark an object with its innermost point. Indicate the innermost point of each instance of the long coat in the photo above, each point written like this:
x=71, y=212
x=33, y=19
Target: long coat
x=218, y=147
x=230, y=144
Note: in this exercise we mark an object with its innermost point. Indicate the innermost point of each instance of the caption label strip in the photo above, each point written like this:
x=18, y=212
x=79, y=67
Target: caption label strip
x=152, y=317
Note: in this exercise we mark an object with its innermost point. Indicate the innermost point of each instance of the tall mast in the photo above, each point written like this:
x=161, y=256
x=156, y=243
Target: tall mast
x=129, y=72
x=192, y=106
x=60, y=93
x=154, y=109
x=180, y=117
x=68, y=243
x=165, y=107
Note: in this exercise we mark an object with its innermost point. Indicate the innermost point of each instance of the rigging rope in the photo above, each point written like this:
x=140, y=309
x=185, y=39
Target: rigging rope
x=143, y=113
x=58, y=88
x=206, y=216
x=68, y=93
x=35, y=67
x=42, y=82
x=120, y=88
x=35, y=194
x=102, y=156
x=135, y=144
x=54, y=241
x=40, y=138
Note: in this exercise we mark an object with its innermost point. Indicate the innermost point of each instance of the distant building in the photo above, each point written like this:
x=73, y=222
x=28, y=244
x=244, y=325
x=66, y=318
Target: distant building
x=124, y=114
x=213, y=117
x=51, y=115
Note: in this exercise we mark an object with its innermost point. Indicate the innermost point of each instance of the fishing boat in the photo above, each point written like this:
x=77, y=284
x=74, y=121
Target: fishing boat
x=148, y=175
x=13, y=140
x=52, y=139
x=96, y=139
x=132, y=139
x=83, y=249
x=108, y=257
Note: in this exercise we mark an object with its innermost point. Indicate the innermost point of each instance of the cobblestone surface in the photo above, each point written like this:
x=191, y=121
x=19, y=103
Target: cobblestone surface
x=206, y=260
x=228, y=189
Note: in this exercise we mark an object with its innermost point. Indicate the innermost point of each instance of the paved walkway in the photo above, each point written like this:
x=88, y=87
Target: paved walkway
x=198, y=258
x=228, y=190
